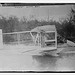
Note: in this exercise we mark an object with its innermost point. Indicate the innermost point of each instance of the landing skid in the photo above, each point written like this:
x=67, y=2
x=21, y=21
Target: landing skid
x=52, y=53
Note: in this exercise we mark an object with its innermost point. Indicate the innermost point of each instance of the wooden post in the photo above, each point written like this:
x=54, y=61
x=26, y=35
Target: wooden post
x=40, y=39
x=56, y=39
x=1, y=39
x=18, y=38
x=37, y=39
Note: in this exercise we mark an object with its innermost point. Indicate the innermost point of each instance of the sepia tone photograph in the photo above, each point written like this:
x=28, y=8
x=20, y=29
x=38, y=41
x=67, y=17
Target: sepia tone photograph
x=37, y=37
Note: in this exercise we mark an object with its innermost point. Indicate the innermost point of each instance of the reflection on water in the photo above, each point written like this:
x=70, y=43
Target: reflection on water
x=46, y=62
x=64, y=62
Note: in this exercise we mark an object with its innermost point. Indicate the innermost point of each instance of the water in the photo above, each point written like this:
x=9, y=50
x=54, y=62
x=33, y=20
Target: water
x=64, y=62
x=18, y=60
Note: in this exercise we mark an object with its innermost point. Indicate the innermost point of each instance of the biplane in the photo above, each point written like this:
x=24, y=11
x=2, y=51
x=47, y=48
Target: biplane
x=45, y=37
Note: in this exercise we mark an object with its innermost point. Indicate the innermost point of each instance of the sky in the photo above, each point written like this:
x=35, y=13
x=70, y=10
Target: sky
x=54, y=12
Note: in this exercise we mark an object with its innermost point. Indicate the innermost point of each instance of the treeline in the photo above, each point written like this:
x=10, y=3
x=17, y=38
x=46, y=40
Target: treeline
x=13, y=24
x=68, y=26
x=65, y=28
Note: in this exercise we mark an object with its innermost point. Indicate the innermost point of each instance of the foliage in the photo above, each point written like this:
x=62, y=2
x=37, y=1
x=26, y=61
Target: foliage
x=66, y=29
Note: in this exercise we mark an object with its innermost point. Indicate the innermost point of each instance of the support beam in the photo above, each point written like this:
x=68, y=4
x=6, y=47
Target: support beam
x=56, y=39
x=18, y=38
x=1, y=39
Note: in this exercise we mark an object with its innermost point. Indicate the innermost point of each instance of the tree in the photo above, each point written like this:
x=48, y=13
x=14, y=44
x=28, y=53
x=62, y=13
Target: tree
x=68, y=26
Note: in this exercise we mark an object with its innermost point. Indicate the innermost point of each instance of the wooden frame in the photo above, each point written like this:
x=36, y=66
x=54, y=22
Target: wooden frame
x=55, y=40
x=34, y=39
